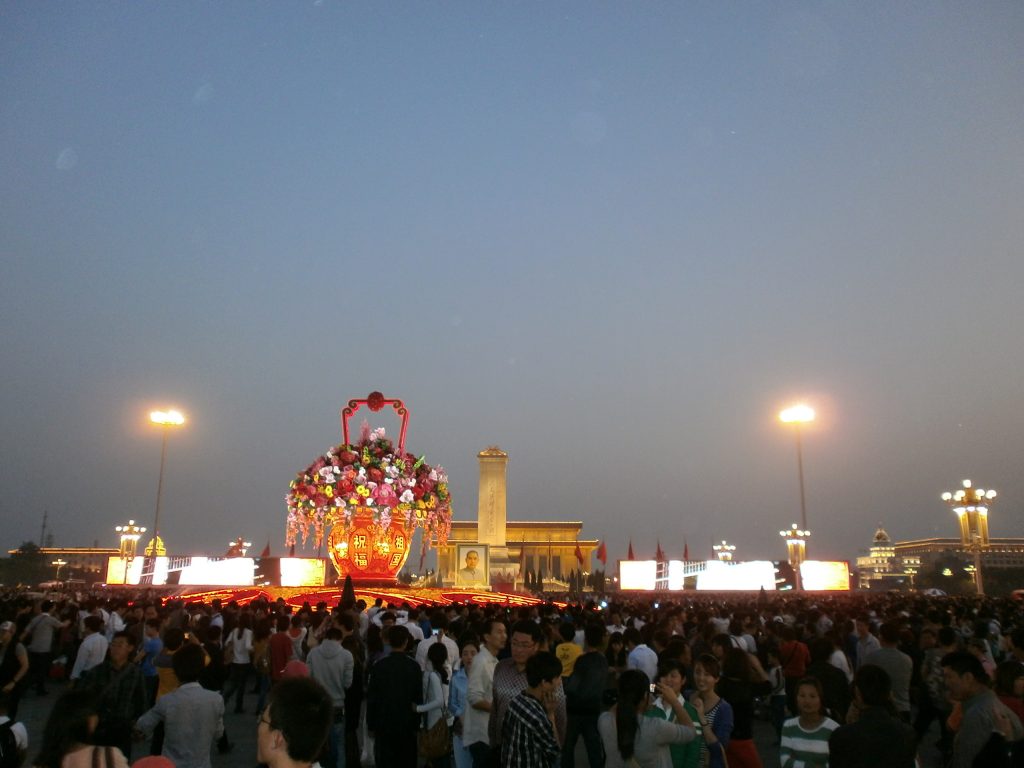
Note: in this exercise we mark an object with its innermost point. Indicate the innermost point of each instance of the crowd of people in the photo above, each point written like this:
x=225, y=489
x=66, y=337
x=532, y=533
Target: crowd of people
x=844, y=680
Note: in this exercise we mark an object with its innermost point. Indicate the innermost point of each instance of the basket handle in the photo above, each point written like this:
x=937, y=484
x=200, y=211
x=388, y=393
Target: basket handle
x=375, y=401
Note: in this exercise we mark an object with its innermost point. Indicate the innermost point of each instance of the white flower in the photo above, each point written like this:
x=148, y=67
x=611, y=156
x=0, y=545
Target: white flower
x=406, y=497
x=433, y=475
x=361, y=473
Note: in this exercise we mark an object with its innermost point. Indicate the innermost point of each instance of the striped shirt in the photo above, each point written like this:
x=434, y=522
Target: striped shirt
x=801, y=748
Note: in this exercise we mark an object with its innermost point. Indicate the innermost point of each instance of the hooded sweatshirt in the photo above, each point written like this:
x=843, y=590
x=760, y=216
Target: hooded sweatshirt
x=331, y=666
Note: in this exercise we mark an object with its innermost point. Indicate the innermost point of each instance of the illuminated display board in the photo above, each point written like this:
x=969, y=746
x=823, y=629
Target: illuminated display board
x=121, y=570
x=232, y=571
x=751, y=575
x=637, y=574
x=825, y=575
x=302, y=572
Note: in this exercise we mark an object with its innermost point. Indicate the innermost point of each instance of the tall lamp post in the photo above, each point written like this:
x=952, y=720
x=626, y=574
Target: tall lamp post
x=797, y=415
x=796, y=549
x=129, y=534
x=60, y=563
x=165, y=419
x=971, y=507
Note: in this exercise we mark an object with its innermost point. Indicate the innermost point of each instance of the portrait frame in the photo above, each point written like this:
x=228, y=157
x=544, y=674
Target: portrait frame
x=483, y=567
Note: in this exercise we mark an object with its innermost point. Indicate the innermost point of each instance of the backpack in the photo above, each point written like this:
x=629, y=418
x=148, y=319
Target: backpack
x=9, y=754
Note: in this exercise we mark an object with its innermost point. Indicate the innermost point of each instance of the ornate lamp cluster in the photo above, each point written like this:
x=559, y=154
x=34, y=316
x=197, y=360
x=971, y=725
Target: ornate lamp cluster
x=971, y=507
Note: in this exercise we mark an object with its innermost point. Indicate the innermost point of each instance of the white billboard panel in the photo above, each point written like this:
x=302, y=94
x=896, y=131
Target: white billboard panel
x=751, y=575
x=222, y=572
x=638, y=574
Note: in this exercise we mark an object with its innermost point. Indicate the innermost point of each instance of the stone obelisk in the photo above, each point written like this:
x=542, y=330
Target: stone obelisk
x=491, y=512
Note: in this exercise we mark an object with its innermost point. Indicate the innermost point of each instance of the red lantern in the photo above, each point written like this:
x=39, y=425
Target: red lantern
x=367, y=551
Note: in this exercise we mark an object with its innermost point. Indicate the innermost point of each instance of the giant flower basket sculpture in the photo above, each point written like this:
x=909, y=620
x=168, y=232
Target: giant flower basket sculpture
x=371, y=495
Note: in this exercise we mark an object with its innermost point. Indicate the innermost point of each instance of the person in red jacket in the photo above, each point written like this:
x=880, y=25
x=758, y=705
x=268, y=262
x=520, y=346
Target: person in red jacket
x=794, y=656
x=280, y=649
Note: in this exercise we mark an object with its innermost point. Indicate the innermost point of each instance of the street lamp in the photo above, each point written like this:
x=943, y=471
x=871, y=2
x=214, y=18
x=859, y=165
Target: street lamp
x=165, y=419
x=60, y=563
x=130, y=534
x=971, y=507
x=796, y=548
x=724, y=551
x=797, y=415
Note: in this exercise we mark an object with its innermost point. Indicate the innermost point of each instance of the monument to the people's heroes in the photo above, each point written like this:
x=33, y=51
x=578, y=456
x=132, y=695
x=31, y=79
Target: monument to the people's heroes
x=510, y=546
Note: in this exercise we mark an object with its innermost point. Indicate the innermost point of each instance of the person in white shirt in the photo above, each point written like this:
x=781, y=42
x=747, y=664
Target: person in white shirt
x=640, y=656
x=114, y=622
x=439, y=622
x=93, y=649
x=18, y=729
x=480, y=693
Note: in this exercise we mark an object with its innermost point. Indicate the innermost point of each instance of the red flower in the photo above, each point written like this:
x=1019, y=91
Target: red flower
x=375, y=474
x=349, y=457
x=375, y=401
x=345, y=486
x=418, y=492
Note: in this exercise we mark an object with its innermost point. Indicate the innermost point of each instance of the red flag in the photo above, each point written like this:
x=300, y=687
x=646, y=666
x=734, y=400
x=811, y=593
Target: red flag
x=659, y=554
x=266, y=550
x=602, y=554
x=579, y=553
x=630, y=555
x=686, y=550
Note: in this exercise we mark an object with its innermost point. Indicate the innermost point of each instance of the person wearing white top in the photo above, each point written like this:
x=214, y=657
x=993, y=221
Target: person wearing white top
x=640, y=656
x=239, y=652
x=435, y=687
x=18, y=729
x=439, y=622
x=480, y=692
x=93, y=649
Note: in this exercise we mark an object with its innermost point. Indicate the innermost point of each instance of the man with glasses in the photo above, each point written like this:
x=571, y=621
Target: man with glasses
x=510, y=680
x=293, y=729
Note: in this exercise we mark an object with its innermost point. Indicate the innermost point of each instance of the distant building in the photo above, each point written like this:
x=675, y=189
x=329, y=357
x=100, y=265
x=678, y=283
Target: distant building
x=92, y=560
x=891, y=565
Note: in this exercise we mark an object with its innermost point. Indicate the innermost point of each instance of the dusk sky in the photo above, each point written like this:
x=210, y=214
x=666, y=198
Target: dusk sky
x=614, y=239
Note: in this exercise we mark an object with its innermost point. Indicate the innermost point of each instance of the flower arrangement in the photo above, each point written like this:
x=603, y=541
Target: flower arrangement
x=368, y=476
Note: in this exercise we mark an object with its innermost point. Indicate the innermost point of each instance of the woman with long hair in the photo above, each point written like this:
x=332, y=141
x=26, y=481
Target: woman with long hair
x=743, y=680
x=630, y=738
x=714, y=712
x=435, y=694
x=68, y=735
x=238, y=653
x=805, y=737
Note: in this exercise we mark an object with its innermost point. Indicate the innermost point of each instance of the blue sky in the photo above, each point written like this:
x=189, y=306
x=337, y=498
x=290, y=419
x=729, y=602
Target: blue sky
x=614, y=239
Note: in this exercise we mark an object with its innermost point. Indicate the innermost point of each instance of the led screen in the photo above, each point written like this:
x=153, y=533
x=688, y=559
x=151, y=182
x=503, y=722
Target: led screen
x=637, y=574
x=226, y=572
x=302, y=572
x=751, y=575
x=825, y=575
